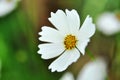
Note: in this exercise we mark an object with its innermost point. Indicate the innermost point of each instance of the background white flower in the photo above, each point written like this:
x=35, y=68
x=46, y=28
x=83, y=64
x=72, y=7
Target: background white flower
x=67, y=76
x=67, y=41
x=95, y=70
x=7, y=6
x=108, y=23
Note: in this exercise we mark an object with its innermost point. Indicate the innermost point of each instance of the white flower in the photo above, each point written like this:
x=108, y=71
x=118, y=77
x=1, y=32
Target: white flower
x=67, y=41
x=108, y=23
x=7, y=6
x=96, y=70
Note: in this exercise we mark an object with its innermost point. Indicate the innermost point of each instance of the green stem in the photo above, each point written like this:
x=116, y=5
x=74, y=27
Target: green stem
x=90, y=54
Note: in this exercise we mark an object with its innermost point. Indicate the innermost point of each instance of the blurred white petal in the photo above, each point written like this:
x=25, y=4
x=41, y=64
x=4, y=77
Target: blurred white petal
x=7, y=7
x=67, y=76
x=108, y=23
x=96, y=70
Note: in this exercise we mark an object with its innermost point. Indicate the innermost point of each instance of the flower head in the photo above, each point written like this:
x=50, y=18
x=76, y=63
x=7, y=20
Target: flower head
x=67, y=41
x=108, y=23
x=7, y=6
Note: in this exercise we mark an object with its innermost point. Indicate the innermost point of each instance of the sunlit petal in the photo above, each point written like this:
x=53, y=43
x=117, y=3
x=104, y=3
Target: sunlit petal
x=48, y=50
x=67, y=58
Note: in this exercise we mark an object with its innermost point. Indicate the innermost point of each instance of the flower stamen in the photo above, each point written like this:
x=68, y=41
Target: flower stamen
x=70, y=42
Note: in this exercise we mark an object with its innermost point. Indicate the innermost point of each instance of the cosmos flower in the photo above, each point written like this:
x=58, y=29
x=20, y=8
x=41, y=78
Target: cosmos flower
x=108, y=23
x=95, y=70
x=7, y=6
x=67, y=41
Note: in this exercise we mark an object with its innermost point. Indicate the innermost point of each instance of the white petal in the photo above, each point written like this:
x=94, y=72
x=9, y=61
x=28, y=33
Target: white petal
x=48, y=50
x=108, y=23
x=59, y=20
x=87, y=29
x=66, y=59
x=73, y=20
x=50, y=35
x=7, y=7
x=67, y=76
x=82, y=45
x=96, y=70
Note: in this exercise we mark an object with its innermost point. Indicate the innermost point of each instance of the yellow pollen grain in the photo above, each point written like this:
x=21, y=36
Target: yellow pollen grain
x=70, y=42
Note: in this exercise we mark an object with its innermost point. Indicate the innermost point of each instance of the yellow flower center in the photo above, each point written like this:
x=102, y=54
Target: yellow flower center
x=70, y=42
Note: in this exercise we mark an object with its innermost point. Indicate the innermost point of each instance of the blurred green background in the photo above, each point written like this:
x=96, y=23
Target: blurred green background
x=19, y=39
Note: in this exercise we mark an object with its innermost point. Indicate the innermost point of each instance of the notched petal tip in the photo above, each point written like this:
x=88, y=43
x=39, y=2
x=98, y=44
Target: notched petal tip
x=70, y=10
x=39, y=46
x=43, y=57
x=89, y=17
x=67, y=10
x=42, y=28
x=59, y=10
x=52, y=14
x=38, y=51
x=52, y=70
x=39, y=38
x=39, y=33
x=55, y=70
x=49, y=18
x=73, y=10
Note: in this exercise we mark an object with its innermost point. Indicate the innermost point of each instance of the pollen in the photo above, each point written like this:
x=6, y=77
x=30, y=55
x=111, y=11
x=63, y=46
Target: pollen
x=70, y=42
